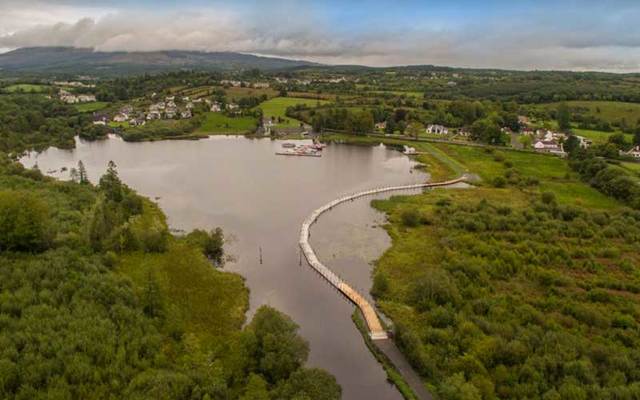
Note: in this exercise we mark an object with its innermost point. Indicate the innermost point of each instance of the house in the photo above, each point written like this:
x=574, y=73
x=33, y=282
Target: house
x=523, y=120
x=120, y=117
x=546, y=145
x=215, y=107
x=169, y=98
x=100, y=118
x=186, y=99
x=232, y=106
x=463, y=132
x=189, y=106
x=153, y=114
x=170, y=112
x=635, y=152
x=584, y=143
x=381, y=125
x=437, y=130
x=128, y=110
x=137, y=121
x=261, y=85
x=186, y=114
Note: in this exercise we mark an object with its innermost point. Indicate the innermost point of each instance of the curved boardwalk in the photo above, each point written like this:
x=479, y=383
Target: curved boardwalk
x=376, y=330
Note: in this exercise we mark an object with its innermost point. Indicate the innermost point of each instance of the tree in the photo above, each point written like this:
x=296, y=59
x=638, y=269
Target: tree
x=23, y=222
x=279, y=350
x=571, y=144
x=82, y=173
x=636, y=136
x=525, y=141
x=563, y=117
x=110, y=183
x=310, y=384
x=256, y=389
x=211, y=243
x=414, y=129
x=618, y=140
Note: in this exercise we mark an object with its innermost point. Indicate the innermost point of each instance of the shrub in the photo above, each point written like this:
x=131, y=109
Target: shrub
x=23, y=222
x=548, y=198
x=499, y=182
x=410, y=217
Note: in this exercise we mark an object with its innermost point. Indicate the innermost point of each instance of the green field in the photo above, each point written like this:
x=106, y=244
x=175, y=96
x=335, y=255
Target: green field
x=26, y=88
x=91, y=107
x=610, y=111
x=277, y=107
x=219, y=123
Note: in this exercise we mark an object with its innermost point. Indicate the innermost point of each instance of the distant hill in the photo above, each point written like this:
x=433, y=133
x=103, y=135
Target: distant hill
x=69, y=60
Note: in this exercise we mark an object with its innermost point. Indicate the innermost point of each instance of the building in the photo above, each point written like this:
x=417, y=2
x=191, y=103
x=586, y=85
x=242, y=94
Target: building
x=186, y=114
x=381, y=125
x=120, y=117
x=635, y=153
x=137, y=121
x=261, y=85
x=153, y=114
x=215, y=107
x=232, y=106
x=437, y=130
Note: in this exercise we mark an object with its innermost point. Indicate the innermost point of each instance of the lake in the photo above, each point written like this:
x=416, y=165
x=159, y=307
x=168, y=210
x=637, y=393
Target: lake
x=260, y=201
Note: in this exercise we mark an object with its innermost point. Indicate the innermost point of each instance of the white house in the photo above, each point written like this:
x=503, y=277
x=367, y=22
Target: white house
x=120, y=118
x=186, y=114
x=437, y=129
x=381, y=125
x=153, y=114
x=215, y=107
x=635, y=152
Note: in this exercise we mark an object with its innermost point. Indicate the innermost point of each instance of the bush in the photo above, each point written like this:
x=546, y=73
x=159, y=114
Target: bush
x=410, y=217
x=548, y=198
x=499, y=182
x=23, y=222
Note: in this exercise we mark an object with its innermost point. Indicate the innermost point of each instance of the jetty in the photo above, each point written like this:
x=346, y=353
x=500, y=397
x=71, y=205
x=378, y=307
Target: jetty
x=375, y=327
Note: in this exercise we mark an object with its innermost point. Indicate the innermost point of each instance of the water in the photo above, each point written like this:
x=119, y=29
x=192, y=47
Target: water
x=260, y=200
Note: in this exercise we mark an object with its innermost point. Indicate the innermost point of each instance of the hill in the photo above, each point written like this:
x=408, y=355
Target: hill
x=69, y=60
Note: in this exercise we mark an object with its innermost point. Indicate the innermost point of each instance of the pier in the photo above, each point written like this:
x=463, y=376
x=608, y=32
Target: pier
x=376, y=330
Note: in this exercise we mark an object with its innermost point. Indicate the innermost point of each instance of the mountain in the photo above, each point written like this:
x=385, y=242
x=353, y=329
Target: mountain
x=69, y=60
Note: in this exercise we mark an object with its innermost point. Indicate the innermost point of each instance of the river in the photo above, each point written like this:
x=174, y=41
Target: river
x=260, y=200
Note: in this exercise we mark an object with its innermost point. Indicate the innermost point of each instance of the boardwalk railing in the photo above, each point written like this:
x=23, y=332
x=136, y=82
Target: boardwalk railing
x=376, y=331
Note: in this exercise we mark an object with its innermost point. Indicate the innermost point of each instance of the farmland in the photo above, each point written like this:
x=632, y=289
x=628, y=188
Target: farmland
x=216, y=122
x=276, y=108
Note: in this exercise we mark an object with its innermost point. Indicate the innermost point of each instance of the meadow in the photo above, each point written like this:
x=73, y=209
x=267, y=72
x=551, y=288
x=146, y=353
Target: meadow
x=26, y=88
x=91, y=107
x=215, y=122
x=276, y=108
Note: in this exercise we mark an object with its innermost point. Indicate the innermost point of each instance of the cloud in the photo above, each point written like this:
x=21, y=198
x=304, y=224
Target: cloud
x=591, y=37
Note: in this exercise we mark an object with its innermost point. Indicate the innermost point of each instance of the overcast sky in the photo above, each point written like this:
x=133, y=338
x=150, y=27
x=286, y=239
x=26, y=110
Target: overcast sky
x=522, y=34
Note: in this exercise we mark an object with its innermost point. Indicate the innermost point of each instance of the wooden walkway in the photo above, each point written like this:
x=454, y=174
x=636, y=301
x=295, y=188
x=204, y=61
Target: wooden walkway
x=376, y=330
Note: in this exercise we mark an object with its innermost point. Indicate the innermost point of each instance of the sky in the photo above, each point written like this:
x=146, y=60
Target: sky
x=578, y=35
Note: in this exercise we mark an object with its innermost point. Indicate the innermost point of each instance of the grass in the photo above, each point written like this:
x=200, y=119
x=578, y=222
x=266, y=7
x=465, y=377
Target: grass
x=216, y=122
x=91, y=107
x=610, y=111
x=598, y=137
x=632, y=166
x=204, y=301
x=276, y=108
x=236, y=93
x=26, y=88
x=123, y=125
x=553, y=173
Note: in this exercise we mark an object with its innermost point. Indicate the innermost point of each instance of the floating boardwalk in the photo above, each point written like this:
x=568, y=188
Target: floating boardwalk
x=376, y=330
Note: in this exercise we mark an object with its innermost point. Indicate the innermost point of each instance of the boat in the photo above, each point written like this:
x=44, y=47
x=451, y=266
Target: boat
x=298, y=153
x=288, y=145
